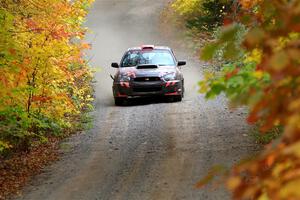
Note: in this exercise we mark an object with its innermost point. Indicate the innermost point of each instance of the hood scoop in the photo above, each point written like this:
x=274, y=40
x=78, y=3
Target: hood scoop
x=147, y=66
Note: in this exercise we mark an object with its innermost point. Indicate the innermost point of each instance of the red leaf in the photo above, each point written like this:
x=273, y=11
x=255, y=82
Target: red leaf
x=227, y=21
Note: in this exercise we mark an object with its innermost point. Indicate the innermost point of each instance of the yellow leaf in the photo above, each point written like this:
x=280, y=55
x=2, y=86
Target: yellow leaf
x=264, y=196
x=258, y=74
x=293, y=149
x=254, y=56
x=291, y=189
x=233, y=182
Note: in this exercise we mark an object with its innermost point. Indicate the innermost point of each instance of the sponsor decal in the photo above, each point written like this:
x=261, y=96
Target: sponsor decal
x=125, y=84
x=170, y=83
x=173, y=93
x=131, y=74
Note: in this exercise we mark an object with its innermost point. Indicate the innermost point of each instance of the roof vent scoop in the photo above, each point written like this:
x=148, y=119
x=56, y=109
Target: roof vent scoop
x=147, y=66
x=147, y=47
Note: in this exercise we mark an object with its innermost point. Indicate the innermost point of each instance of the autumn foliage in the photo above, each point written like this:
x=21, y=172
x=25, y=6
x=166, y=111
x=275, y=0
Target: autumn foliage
x=261, y=46
x=45, y=80
x=203, y=14
x=274, y=28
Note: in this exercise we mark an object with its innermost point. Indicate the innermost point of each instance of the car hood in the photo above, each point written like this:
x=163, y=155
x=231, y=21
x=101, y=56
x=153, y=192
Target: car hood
x=152, y=72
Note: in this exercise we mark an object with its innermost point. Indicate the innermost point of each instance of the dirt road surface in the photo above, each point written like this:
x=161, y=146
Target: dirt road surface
x=150, y=149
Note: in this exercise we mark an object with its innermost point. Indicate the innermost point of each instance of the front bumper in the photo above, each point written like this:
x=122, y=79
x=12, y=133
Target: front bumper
x=151, y=88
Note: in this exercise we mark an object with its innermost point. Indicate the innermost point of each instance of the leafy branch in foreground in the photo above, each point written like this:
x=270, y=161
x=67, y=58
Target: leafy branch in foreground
x=45, y=81
x=270, y=86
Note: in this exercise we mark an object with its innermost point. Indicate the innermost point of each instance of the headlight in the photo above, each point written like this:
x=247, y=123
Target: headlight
x=124, y=78
x=169, y=77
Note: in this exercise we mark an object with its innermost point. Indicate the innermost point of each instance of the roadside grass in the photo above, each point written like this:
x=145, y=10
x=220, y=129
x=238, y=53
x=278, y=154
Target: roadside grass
x=18, y=167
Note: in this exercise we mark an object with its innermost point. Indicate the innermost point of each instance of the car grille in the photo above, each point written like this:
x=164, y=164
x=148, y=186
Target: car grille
x=147, y=89
x=146, y=79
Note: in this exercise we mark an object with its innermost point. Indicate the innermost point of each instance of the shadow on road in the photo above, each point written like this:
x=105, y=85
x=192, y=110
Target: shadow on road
x=147, y=101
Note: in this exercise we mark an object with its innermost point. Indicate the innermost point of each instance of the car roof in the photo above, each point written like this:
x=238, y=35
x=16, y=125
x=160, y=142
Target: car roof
x=150, y=46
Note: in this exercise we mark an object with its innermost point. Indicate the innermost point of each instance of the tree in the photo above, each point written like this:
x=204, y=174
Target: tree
x=45, y=81
x=270, y=87
x=203, y=14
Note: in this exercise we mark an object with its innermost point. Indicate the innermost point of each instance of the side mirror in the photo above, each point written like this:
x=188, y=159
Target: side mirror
x=181, y=63
x=115, y=65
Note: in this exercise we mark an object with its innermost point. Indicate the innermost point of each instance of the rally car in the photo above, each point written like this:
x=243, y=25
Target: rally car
x=147, y=71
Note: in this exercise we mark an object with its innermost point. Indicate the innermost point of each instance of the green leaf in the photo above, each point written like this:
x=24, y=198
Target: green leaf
x=215, y=90
x=231, y=51
x=209, y=51
x=235, y=82
x=229, y=33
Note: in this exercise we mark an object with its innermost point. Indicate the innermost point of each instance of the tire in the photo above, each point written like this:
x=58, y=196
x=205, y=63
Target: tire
x=183, y=89
x=119, y=101
x=174, y=98
x=178, y=98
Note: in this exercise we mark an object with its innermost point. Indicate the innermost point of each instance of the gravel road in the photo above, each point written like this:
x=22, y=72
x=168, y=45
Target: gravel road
x=149, y=149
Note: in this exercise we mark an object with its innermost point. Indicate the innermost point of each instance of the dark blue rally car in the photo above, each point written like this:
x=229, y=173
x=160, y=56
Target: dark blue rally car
x=147, y=71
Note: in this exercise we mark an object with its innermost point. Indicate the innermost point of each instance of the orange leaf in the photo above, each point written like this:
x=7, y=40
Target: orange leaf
x=270, y=160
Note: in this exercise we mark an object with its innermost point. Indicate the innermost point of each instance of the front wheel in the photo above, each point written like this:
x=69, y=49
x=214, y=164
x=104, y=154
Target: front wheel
x=119, y=101
x=178, y=98
x=183, y=89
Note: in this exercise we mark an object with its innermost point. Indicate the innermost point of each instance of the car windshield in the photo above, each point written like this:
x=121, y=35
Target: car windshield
x=154, y=57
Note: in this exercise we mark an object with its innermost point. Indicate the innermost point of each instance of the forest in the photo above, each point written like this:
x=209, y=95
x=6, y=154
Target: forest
x=45, y=79
x=46, y=91
x=256, y=44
